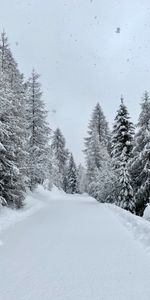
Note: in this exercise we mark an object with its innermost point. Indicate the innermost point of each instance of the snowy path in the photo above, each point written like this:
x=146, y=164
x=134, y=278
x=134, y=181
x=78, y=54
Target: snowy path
x=72, y=249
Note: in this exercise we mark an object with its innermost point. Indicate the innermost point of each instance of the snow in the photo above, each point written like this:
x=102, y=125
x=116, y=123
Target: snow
x=147, y=212
x=139, y=227
x=10, y=216
x=33, y=202
x=72, y=248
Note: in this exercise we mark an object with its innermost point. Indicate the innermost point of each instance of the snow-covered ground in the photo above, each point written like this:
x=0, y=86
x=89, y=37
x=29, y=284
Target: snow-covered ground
x=33, y=202
x=9, y=217
x=139, y=227
x=72, y=248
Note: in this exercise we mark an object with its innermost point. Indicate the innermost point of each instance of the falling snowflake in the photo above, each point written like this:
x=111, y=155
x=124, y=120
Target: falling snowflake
x=117, y=30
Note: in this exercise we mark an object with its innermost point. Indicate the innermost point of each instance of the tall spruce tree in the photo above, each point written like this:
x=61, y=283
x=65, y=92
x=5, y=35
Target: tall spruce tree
x=11, y=121
x=98, y=134
x=99, y=124
x=81, y=178
x=72, y=182
x=96, y=148
x=122, y=135
x=4, y=53
x=38, y=132
x=126, y=198
x=140, y=163
x=102, y=186
x=60, y=156
x=7, y=161
x=122, y=145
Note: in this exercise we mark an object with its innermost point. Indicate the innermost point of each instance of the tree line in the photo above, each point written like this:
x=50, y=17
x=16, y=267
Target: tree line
x=30, y=153
x=117, y=162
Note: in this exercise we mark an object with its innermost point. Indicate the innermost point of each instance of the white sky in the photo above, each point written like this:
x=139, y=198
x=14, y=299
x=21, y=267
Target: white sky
x=81, y=59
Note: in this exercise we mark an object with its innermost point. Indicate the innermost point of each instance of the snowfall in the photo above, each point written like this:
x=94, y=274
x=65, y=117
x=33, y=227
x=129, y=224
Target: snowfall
x=70, y=247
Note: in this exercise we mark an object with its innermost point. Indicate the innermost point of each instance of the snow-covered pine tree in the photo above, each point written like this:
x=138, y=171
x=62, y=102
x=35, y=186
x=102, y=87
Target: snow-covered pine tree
x=140, y=163
x=60, y=156
x=122, y=145
x=6, y=165
x=72, y=182
x=102, y=185
x=65, y=178
x=81, y=178
x=16, y=82
x=38, y=132
x=48, y=181
x=11, y=120
x=4, y=53
x=122, y=135
x=96, y=149
x=13, y=189
x=126, y=199
x=93, y=156
x=99, y=124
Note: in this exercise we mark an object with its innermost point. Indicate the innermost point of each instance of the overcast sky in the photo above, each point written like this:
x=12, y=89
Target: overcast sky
x=73, y=44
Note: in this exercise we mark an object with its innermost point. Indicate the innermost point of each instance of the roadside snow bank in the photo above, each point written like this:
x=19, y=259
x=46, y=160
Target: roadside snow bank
x=10, y=216
x=33, y=202
x=137, y=225
x=54, y=194
x=147, y=213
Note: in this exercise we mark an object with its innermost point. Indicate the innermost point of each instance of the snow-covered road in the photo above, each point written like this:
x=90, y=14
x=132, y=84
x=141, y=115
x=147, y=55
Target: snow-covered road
x=72, y=249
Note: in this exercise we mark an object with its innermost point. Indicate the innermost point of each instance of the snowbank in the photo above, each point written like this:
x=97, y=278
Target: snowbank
x=137, y=225
x=54, y=194
x=33, y=202
x=10, y=216
x=147, y=213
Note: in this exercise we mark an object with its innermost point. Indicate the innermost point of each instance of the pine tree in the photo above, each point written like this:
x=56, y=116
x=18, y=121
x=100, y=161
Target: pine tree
x=122, y=135
x=72, y=183
x=4, y=53
x=122, y=145
x=65, y=175
x=99, y=124
x=11, y=121
x=5, y=135
x=16, y=82
x=126, y=198
x=81, y=179
x=38, y=132
x=102, y=185
x=140, y=163
x=48, y=181
x=60, y=155
x=93, y=156
x=95, y=143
